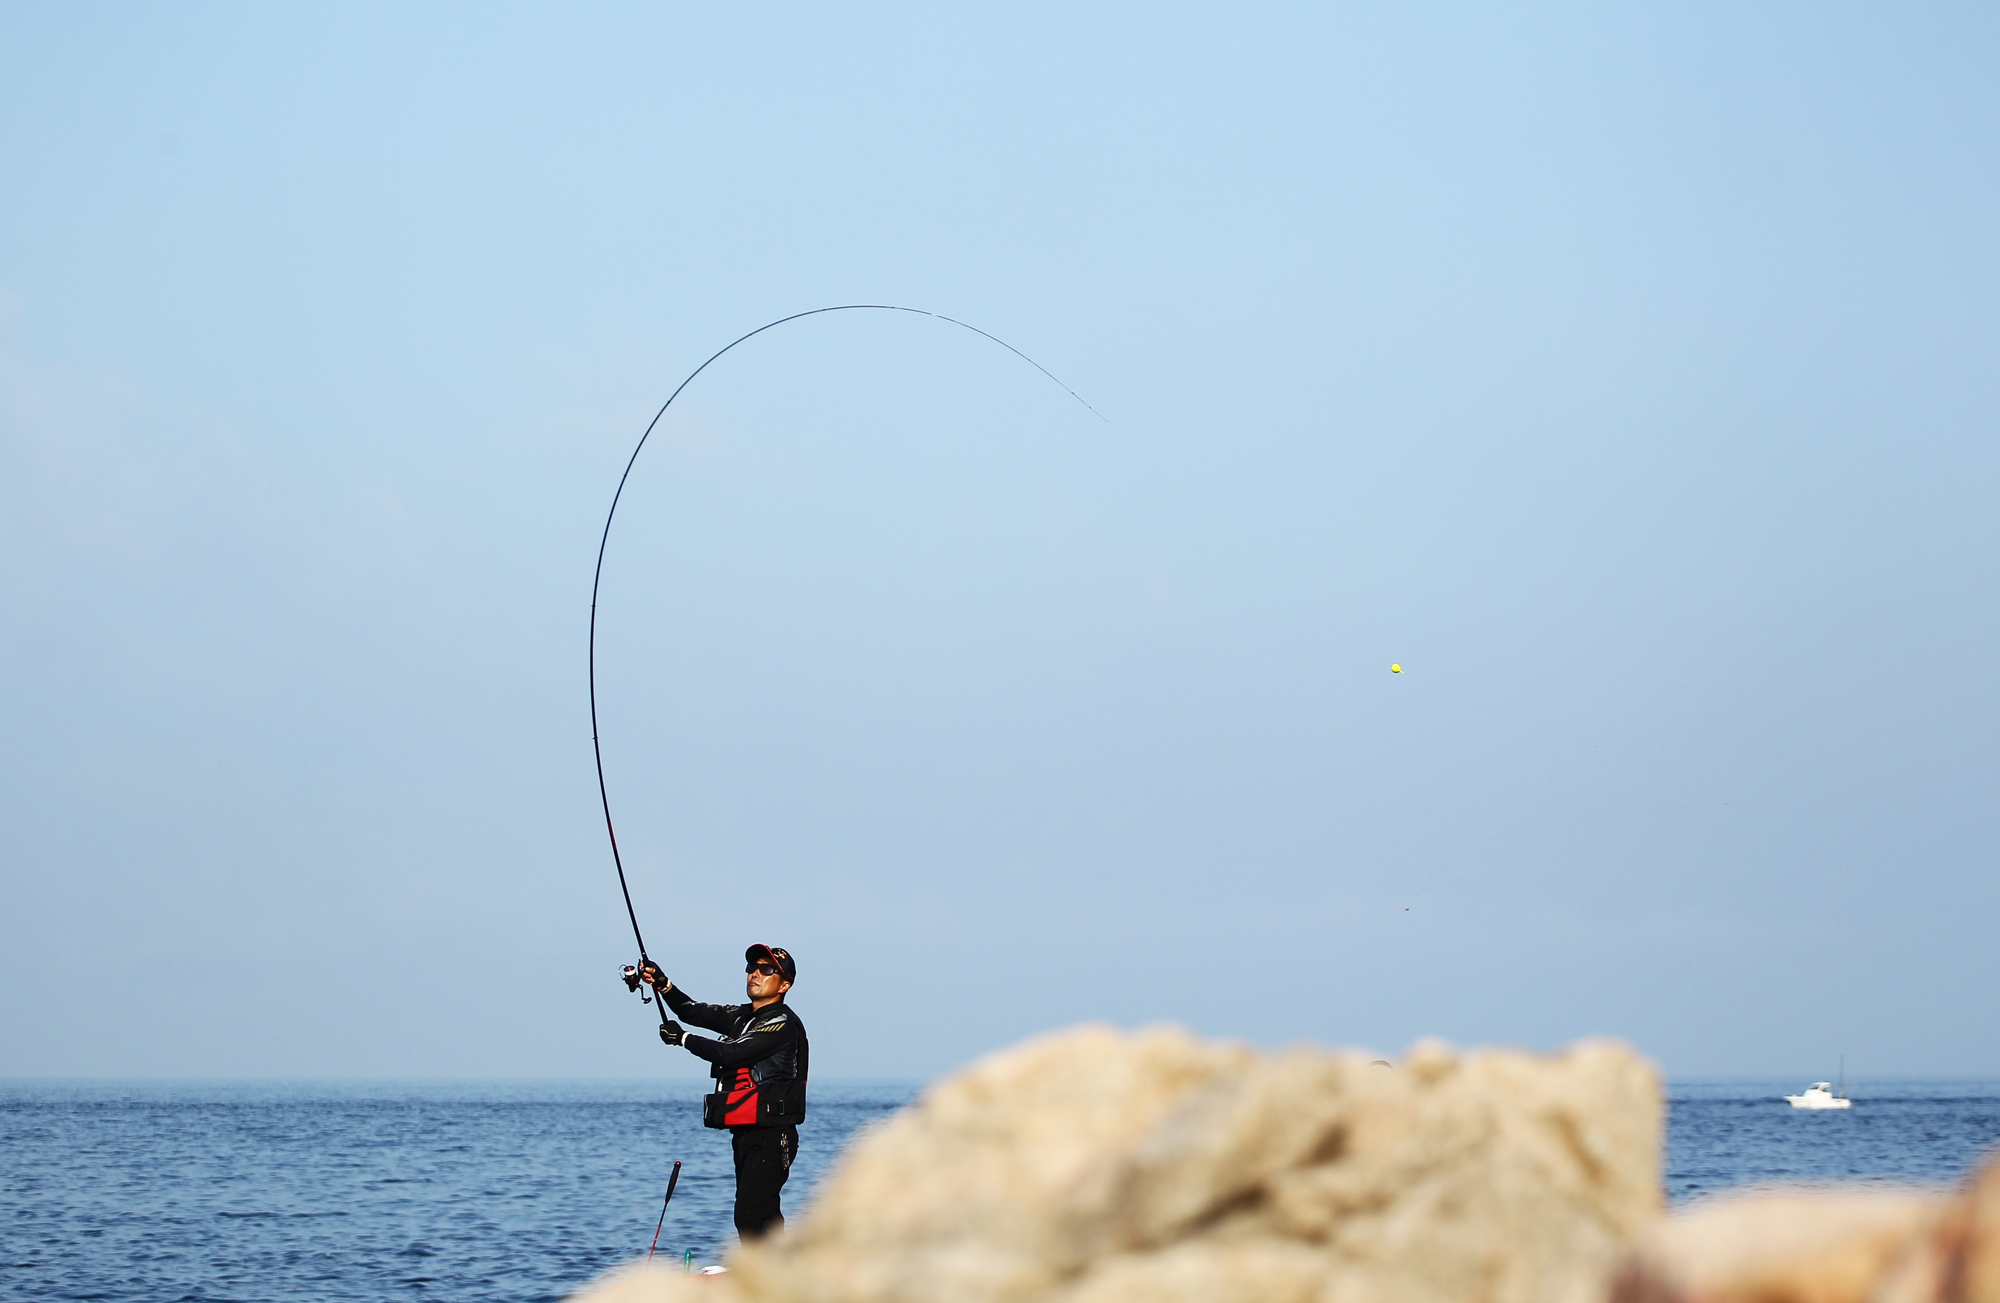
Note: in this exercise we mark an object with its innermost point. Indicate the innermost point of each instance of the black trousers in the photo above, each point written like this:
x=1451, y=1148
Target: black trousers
x=763, y=1161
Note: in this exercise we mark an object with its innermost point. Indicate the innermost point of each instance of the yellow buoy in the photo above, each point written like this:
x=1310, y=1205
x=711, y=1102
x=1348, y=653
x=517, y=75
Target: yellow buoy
x=1395, y=669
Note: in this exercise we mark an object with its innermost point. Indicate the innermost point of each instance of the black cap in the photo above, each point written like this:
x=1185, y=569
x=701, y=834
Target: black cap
x=776, y=955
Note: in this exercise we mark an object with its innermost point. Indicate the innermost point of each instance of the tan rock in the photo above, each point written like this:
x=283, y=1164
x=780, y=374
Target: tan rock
x=1957, y=1260
x=1102, y=1167
x=1833, y=1245
x=1785, y=1246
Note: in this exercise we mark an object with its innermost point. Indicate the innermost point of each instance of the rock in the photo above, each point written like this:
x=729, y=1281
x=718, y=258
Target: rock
x=1102, y=1167
x=1957, y=1259
x=1792, y=1246
x=1825, y=1246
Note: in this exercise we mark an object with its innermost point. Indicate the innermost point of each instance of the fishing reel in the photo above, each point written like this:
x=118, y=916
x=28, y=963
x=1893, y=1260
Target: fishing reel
x=633, y=981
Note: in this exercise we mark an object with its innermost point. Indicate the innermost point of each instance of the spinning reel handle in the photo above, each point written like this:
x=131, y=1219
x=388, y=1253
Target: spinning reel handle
x=630, y=974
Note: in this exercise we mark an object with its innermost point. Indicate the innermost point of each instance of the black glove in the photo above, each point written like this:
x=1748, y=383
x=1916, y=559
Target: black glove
x=650, y=973
x=671, y=1033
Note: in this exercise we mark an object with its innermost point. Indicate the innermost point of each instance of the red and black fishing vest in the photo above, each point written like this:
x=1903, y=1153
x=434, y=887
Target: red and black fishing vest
x=771, y=1089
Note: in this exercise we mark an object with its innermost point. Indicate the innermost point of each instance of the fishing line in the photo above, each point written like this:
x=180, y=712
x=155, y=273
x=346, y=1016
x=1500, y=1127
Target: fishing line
x=598, y=577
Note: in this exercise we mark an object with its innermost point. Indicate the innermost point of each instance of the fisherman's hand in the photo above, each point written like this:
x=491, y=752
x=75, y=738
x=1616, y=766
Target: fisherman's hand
x=671, y=1033
x=650, y=973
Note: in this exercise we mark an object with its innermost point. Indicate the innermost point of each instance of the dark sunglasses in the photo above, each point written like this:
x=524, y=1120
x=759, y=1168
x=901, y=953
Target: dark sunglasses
x=761, y=969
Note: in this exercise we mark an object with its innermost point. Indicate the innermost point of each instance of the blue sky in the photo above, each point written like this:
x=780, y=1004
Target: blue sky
x=1626, y=375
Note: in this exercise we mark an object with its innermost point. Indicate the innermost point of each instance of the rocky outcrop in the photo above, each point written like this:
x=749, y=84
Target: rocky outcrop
x=1957, y=1257
x=1799, y=1246
x=1825, y=1246
x=1103, y=1167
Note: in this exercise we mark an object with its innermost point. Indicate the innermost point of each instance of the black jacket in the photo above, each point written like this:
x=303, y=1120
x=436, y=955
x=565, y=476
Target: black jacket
x=769, y=1043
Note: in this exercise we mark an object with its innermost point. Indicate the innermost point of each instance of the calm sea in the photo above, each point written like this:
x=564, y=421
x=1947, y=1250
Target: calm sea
x=192, y=1193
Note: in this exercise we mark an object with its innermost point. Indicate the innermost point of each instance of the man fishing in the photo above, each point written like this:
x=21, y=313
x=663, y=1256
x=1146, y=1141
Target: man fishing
x=759, y=1066
x=760, y=1063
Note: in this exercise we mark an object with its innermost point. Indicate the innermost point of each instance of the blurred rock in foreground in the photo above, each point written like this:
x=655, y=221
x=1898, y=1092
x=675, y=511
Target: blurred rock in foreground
x=1102, y=1167
x=1825, y=1246
x=1785, y=1246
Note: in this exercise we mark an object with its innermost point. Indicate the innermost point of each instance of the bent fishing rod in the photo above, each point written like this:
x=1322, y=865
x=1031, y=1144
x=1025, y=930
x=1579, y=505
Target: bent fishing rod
x=632, y=972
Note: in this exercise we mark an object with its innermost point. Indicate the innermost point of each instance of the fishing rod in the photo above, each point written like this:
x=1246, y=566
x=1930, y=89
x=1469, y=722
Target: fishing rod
x=672, y=1180
x=632, y=972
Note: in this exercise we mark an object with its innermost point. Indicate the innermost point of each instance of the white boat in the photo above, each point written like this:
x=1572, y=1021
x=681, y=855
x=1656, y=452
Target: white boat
x=1820, y=1095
